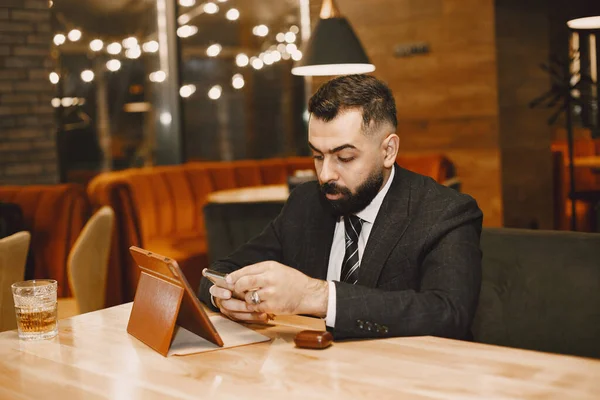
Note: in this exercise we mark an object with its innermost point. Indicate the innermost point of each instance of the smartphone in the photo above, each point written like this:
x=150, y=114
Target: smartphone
x=216, y=277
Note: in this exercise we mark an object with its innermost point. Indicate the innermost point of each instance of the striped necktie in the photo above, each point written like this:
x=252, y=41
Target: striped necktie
x=351, y=263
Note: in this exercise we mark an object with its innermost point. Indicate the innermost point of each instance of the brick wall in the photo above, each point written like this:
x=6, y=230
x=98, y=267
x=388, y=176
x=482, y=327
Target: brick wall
x=27, y=126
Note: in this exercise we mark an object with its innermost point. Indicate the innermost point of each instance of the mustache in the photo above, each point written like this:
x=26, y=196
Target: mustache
x=332, y=188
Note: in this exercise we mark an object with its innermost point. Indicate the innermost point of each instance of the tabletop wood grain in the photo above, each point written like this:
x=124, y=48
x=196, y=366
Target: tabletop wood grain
x=94, y=357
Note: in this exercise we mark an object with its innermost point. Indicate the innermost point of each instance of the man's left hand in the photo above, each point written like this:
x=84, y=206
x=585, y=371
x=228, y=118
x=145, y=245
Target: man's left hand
x=282, y=290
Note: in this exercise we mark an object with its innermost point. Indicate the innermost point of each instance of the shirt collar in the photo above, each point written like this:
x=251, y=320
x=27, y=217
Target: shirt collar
x=369, y=213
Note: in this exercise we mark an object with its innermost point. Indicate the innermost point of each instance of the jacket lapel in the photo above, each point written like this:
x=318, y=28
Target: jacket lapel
x=390, y=225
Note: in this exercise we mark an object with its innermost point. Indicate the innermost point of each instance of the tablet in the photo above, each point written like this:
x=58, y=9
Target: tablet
x=191, y=314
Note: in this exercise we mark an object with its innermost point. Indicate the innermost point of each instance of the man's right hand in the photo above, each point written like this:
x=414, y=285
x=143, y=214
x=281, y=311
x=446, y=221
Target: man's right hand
x=233, y=308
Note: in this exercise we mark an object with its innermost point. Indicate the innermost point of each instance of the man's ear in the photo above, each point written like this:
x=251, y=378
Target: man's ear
x=390, y=147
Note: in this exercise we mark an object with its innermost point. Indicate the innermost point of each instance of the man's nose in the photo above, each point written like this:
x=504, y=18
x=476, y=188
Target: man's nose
x=328, y=172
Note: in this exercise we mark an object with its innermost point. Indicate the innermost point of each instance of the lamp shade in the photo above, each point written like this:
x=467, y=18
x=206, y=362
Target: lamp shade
x=333, y=49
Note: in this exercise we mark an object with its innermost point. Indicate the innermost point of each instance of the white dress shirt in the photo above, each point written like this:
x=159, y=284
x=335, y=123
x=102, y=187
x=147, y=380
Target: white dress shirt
x=338, y=247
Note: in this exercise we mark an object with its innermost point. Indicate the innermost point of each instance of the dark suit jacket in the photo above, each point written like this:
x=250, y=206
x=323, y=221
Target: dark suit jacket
x=420, y=273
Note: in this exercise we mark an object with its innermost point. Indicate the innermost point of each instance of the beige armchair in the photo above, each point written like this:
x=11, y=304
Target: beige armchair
x=87, y=266
x=13, y=255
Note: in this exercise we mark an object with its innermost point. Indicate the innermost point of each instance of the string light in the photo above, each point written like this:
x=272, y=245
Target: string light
x=213, y=50
x=96, y=45
x=237, y=81
x=291, y=48
x=280, y=37
x=187, y=90
x=113, y=65
x=186, y=31
x=66, y=101
x=134, y=52
x=59, y=39
x=241, y=60
x=150, y=47
x=87, y=75
x=158, y=76
x=294, y=29
x=165, y=118
x=55, y=102
x=54, y=78
x=187, y=3
x=183, y=19
x=215, y=92
x=268, y=59
x=232, y=14
x=290, y=37
x=260, y=30
x=297, y=55
x=114, y=48
x=130, y=42
x=211, y=8
x=74, y=35
x=257, y=63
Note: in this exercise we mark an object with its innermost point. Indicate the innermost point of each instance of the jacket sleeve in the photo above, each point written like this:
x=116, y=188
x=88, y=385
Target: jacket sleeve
x=267, y=246
x=447, y=298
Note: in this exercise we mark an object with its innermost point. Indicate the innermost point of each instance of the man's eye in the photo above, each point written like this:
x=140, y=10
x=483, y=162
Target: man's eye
x=317, y=157
x=345, y=159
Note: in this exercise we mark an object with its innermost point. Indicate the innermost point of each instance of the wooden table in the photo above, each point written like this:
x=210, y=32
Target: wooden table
x=94, y=357
x=267, y=193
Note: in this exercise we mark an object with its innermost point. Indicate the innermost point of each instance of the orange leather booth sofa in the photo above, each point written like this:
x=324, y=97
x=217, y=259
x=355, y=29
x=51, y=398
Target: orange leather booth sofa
x=55, y=215
x=161, y=208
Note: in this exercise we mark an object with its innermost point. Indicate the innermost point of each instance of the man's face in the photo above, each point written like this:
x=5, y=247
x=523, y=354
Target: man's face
x=349, y=163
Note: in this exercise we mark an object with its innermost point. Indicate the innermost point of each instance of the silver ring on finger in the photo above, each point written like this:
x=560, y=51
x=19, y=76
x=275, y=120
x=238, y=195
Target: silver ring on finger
x=254, y=297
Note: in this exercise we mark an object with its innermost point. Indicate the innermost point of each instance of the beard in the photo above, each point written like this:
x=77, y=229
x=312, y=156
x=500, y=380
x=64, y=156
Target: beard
x=352, y=203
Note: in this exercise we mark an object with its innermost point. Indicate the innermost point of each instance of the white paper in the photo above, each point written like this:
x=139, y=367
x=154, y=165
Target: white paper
x=232, y=333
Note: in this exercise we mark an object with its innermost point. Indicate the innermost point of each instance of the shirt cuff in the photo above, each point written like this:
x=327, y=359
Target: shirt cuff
x=331, y=304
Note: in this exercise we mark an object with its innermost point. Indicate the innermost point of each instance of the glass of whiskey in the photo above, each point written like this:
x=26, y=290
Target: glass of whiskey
x=35, y=307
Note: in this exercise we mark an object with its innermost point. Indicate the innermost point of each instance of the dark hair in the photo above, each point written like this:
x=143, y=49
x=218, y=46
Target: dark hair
x=355, y=91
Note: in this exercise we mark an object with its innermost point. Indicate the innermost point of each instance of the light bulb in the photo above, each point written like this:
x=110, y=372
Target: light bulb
x=59, y=39
x=187, y=31
x=96, y=45
x=211, y=8
x=87, y=75
x=260, y=30
x=54, y=78
x=237, y=81
x=232, y=14
x=134, y=52
x=150, y=47
x=241, y=60
x=74, y=35
x=215, y=92
x=257, y=63
x=113, y=65
x=114, y=48
x=130, y=42
x=158, y=76
x=290, y=37
x=187, y=90
x=213, y=50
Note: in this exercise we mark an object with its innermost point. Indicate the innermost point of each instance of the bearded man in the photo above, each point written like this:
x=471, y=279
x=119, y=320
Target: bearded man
x=374, y=249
